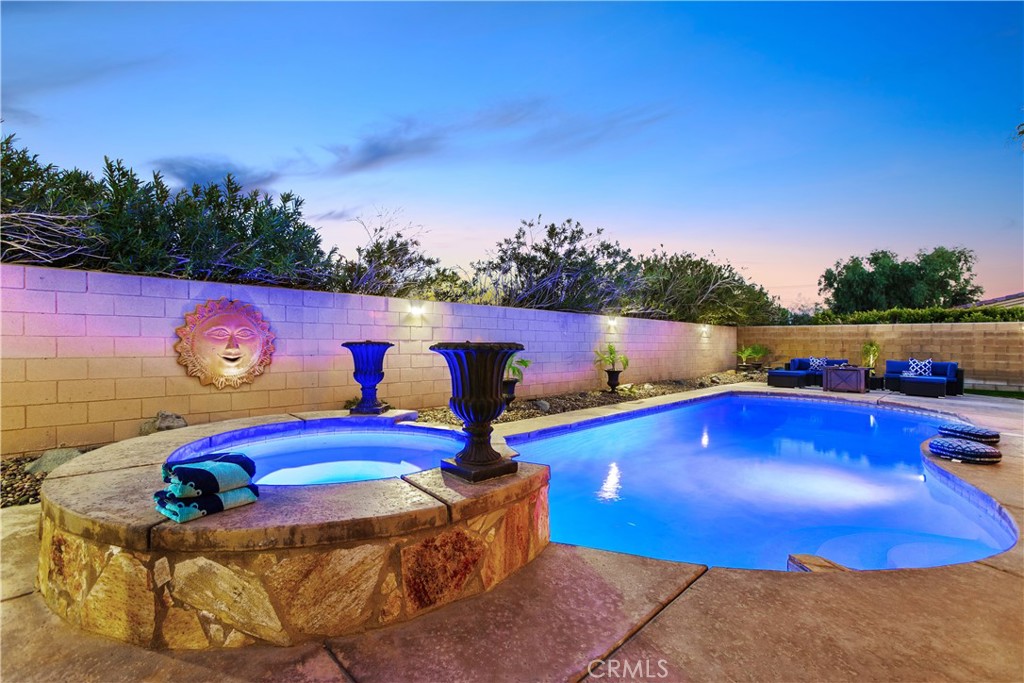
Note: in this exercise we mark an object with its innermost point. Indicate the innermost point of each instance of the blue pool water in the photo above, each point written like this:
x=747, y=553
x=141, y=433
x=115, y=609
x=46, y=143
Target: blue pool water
x=746, y=481
x=291, y=458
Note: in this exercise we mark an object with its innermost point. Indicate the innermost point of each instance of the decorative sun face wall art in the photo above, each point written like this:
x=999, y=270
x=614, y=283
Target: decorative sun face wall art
x=225, y=343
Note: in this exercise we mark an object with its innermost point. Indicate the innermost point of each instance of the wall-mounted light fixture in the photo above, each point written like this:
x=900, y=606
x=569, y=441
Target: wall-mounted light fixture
x=613, y=323
x=705, y=331
x=416, y=311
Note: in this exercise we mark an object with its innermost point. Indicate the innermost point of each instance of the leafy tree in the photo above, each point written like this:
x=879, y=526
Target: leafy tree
x=122, y=223
x=46, y=212
x=688, y=288
x=880, y=281
x=558, y=267
x=391, y=263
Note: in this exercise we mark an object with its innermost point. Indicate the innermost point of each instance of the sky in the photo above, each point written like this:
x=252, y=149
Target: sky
x=781, y=137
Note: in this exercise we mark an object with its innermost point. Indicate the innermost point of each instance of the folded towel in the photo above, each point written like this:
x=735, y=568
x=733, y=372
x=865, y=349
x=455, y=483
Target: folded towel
x=206, y=474
x=187, y=509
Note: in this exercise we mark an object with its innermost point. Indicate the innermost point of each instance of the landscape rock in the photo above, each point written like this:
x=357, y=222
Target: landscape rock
x=51, y=460
x=542, y=405
x=162, y=422
x=715, y=379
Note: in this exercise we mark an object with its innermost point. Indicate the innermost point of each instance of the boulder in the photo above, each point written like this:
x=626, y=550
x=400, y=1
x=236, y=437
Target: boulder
x=542, y=405
x=161, y=423
x=51, y=460
x=715, y=379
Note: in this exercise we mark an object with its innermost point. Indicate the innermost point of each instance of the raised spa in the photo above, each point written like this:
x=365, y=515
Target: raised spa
x=355, y=547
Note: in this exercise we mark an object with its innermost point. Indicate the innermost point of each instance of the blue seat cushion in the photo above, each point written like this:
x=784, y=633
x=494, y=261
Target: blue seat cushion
x=928, y=380
x=962, y=449
x=962, y=431
x=895, y=368
x=947, y=370
x=789, y=373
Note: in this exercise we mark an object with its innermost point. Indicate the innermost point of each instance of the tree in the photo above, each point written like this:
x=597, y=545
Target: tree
x=558, y=267
x=688, y=288
x=942, y=277
x=391, y=263
x=121, y=223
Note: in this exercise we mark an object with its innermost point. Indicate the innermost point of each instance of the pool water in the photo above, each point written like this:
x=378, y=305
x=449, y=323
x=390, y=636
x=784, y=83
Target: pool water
x=345, y=456
x=747, y=481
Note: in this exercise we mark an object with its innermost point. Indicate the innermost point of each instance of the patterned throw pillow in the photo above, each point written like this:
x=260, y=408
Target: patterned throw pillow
x=921, y=368
x=817, y=363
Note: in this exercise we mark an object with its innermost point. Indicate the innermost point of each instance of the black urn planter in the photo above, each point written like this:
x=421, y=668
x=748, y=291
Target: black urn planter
x=613, y=379
x=508, y=390
x=369, y=359
x=477, y=369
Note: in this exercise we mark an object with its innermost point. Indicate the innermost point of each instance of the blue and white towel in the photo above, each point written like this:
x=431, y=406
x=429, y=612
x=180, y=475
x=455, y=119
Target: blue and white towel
x=187, y=509
x=207, y=474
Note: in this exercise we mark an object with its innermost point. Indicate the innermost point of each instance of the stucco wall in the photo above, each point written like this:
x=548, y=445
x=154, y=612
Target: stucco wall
x=87, y=356
x=992, y=354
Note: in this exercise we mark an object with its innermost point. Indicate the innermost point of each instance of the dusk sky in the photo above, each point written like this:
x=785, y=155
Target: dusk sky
x=780, y=136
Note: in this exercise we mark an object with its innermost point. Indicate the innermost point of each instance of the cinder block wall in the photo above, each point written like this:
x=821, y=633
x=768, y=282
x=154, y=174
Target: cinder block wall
x=87, y=356
x=992, y=354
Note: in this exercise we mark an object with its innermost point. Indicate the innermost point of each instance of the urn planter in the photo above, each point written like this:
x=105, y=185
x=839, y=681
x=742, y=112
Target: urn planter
x=613, y=379
x=369, y=359
x=477, y=369
x=508, y=390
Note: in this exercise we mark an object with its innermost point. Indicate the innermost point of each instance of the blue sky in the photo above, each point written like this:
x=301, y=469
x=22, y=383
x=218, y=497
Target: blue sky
x=780, y=136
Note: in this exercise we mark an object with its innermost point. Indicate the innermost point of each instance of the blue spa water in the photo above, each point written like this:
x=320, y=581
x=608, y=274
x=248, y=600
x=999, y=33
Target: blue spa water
x=344, y=456
x=746, y=481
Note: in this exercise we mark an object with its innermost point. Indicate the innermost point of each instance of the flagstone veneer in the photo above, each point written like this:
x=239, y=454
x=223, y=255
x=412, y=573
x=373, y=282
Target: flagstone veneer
x=304, y=562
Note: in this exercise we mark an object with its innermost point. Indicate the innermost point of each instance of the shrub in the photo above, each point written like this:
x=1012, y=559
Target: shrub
x=981, y=314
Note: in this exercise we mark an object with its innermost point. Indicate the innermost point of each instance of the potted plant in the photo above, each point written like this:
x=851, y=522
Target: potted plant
x=869, y=354
x=513, y=375
x=748, y=353
x=611, y=358
x=757, y=352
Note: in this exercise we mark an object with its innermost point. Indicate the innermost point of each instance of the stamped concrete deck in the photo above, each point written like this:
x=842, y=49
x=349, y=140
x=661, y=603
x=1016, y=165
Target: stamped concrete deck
x=646, y=619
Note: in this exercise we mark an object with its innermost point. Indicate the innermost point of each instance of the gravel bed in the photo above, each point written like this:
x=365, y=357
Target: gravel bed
x=18, y=487
x=523, y=409
x=21, y=488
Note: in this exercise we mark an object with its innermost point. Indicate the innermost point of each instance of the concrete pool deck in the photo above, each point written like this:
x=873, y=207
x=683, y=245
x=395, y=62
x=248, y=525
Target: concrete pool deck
x=648, y=619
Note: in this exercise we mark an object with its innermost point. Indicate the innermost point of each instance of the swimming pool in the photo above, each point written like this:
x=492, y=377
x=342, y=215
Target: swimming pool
x=745, y=481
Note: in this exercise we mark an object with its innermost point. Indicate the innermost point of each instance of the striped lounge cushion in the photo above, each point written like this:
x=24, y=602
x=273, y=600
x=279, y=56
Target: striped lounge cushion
x=962, y=431
x=964, y=450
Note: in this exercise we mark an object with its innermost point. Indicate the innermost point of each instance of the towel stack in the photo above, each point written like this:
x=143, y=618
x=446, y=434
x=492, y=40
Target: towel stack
x=210, y=483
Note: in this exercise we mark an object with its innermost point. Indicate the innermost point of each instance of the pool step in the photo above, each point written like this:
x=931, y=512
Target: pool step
x=813, y=563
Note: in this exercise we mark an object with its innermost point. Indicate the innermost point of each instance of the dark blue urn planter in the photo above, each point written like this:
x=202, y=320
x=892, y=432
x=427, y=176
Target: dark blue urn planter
x=477, y=369
x=369, y=358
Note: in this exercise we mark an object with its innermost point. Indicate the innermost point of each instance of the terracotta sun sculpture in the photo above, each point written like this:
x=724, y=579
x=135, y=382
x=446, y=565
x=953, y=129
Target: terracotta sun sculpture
x=225, y=343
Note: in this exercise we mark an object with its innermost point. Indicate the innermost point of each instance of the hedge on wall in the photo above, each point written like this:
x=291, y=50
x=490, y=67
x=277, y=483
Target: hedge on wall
x=906, y=316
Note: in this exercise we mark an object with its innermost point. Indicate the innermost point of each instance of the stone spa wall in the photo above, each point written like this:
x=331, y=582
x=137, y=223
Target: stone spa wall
x=304, y=562
x=87, y=357
x=992, y=354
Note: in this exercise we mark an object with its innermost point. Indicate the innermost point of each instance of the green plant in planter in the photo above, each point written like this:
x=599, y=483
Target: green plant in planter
x=754, y=352
x=869, y=353
x=514, y=368
x=611, y=358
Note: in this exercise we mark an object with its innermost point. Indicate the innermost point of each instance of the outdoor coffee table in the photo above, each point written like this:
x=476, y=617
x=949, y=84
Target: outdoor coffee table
x=850, y=379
